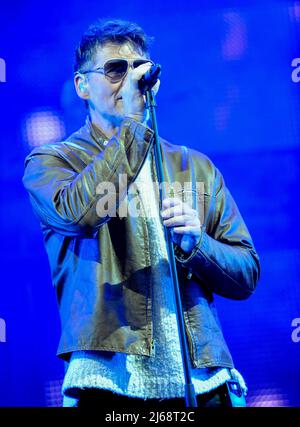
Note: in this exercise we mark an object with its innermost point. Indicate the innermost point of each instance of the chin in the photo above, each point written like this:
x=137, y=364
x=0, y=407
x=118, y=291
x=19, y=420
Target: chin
x=117, y=119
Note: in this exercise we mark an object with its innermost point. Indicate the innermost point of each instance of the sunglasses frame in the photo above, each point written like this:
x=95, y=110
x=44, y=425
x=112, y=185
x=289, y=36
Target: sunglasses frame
x=101, y=70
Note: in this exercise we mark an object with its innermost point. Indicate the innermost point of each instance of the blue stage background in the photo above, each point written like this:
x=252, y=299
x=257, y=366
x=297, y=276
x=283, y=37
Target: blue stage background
x=226, y=90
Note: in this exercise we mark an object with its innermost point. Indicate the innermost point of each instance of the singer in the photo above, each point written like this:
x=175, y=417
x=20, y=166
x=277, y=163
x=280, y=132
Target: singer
x=110, y=271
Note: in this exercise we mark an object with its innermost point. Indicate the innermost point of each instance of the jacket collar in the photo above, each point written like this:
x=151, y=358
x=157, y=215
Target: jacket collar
x=96, y=133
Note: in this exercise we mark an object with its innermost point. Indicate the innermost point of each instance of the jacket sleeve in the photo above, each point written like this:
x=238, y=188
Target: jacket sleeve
x=224, y=259
x=70, y=202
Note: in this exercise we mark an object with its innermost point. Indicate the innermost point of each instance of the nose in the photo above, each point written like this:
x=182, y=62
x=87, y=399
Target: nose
x=130, y=65
x=129, y=68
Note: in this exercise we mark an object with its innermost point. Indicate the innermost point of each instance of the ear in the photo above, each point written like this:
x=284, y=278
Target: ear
x=81, y=86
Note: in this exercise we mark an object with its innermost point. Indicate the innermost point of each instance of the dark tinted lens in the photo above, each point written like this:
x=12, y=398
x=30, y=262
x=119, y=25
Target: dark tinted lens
x=139, y=62
x=115, y=69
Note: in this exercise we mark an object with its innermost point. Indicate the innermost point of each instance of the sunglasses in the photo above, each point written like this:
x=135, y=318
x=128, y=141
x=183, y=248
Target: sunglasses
x=116, y=69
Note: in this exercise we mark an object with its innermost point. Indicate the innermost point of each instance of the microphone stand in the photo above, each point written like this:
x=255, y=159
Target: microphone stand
x=190, y=398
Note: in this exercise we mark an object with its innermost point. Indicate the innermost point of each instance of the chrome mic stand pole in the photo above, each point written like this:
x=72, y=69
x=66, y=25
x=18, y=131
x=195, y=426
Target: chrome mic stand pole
x=190, y=398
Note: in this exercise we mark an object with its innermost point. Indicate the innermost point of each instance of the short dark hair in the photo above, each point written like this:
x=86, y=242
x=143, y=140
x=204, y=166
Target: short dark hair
x=110, y=31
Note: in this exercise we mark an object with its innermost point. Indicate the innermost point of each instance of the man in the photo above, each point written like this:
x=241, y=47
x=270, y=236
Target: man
x=109, y=261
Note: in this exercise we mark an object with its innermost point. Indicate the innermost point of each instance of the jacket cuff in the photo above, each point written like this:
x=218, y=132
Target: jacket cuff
x=191, y=261
x=137, y=129
x=185, y=258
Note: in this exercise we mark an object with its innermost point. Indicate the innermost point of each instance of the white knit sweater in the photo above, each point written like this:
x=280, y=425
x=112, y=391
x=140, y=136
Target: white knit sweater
x=160, y=376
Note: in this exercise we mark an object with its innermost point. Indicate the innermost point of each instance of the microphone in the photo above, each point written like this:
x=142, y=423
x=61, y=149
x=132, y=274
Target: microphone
x=150, y=78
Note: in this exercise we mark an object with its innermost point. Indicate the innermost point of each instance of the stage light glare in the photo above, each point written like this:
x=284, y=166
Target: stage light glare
x=43, y=127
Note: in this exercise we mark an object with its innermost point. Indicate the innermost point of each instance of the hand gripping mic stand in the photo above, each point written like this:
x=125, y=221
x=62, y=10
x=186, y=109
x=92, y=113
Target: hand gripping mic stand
x=190, y=397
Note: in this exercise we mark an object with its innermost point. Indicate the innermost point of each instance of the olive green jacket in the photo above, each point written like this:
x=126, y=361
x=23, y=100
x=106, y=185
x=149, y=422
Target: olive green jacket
x=100, y=263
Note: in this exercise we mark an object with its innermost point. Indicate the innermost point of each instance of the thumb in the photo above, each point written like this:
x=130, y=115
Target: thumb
x=185, y=243
x=156, y=87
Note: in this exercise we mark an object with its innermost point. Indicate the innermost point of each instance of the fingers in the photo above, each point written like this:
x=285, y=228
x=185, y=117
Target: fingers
x=183, y=221
x=139, y=71
x=180, y=220
x=178, y=210
x=173, y=207
x=133, y=101
x=175, y=213
x=171, y=201
x=190, y=230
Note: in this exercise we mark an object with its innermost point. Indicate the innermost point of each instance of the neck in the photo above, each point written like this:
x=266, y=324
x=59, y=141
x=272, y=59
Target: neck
x=108, y=126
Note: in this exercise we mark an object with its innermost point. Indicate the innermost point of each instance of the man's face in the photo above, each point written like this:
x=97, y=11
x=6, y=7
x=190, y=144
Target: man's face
x=103, y=96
